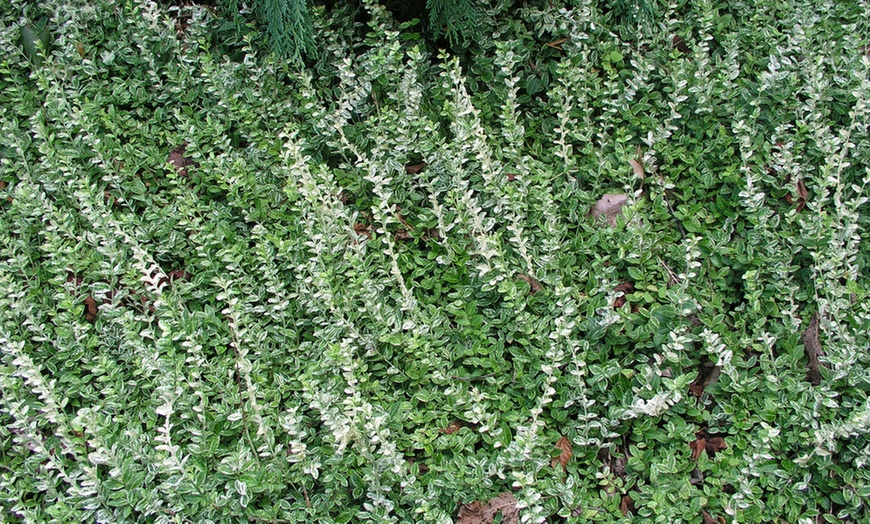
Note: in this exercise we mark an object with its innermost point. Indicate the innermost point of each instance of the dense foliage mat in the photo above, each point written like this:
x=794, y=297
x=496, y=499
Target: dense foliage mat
x=578, y=275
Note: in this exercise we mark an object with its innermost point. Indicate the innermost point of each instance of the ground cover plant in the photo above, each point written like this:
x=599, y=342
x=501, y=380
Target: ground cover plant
x=578, y=274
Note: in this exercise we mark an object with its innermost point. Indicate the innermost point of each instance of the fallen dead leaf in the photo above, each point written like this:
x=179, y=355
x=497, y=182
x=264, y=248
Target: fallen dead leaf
x=90, y=309
x=813, y=350
x=179, y=161
x=178, y=274
x=707, y=374
x=511, y=177
x=680, y=45
x=485, y=512
x=567, y=452
x=536, y=286
x=625, y=288
x=708, y=519
x=802, y=194
x=557, y=44
x=451, y=428
x=72, y=277
x=626, y=505
x=637, y=164
x=609, y=206
x=697, y=477
x=362, y=230
x=413, y=169
x=697, y=446
x=714, y=445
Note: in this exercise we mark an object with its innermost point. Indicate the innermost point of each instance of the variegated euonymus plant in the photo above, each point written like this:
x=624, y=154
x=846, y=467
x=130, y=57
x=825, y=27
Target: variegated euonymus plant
x=371, y=290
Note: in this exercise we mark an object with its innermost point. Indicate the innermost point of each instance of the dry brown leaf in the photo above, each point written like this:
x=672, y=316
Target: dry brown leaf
x=708, y=519
x=625, y=288
x=626, y=505
x=802, y=194
x=637, y=164
x=714, y=444
x=609, y=207
x=90, y=309
x=178, y=274
x=567, y=452
x=362, y=230
x=698, y=447
x=413, y=169
x=485, y=512
x=813, y=349
x=557, y=44
x=536, y=286
x=707, y=374
x=680, y=45
x=451, y=428
x=179, y=161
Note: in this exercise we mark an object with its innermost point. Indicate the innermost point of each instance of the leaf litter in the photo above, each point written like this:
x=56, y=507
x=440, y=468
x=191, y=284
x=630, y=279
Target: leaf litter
x=485, y=512
x=707, y=374
x=535, y=285
x=179, y=161
x=704, y=441
x=610, y=207
x=565, y=456
x=637, y=164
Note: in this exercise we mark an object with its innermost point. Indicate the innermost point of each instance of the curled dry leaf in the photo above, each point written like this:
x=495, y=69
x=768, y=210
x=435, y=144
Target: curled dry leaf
x=637, y=164
x=609, y=206
x=451, y=428
x=697, y=447
x=802, y=194
x=536, y=286
x=90, y=309
x=626, y=505
x=178, y=274
x=485, y=512
x=362, y=230
x=413, y=169
x=625, y=288
x=557, y=44
x=179, y=161
x=813, y=349
x=714, y=445
x=708, y=519
x=707, y=374
x=567, y=452
x=709, y=443
x=680, y=45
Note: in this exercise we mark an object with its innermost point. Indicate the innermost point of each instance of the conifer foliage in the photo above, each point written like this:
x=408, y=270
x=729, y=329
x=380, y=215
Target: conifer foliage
x=290, y=32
